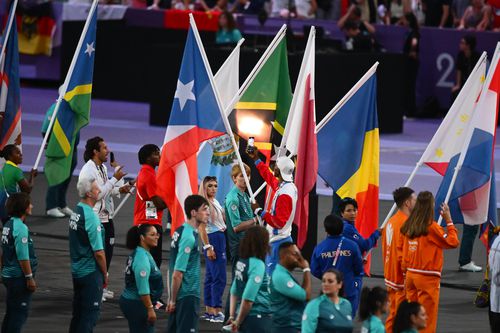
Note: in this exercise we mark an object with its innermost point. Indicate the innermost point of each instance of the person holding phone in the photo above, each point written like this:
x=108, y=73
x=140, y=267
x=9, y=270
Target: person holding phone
x=279, y=218
x=95, y=155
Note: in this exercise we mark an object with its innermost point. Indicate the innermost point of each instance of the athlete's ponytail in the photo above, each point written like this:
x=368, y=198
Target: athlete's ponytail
x=371, y=301
x=134, y=235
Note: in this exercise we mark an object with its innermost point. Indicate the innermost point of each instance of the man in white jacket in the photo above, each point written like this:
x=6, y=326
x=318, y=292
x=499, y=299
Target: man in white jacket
x=96, y=153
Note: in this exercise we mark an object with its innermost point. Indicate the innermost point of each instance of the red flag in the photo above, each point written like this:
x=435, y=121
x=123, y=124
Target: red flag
x=300, y=138
x=307, y=162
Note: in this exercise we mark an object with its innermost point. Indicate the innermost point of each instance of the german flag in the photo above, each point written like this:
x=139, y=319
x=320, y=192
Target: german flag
x=36, y=27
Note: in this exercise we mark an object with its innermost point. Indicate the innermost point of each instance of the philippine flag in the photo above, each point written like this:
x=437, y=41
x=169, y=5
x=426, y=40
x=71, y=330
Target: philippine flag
x=470, y=197
x=194, y=118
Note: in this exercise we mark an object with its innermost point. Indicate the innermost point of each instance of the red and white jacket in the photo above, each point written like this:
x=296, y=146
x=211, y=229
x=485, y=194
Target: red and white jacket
x=279, y=220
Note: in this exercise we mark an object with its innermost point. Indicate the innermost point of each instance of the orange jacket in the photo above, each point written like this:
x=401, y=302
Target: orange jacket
x=424, y=254
x=391, y=235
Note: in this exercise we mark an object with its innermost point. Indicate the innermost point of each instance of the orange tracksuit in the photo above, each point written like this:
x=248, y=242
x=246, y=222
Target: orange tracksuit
x=423, y=262
x=393, y=274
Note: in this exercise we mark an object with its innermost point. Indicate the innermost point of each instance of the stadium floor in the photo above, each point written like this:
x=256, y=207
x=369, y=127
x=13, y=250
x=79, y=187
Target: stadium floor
x=51, y=306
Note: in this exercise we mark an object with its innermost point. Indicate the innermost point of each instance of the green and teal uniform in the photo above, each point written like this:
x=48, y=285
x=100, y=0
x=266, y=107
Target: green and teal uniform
x=322, y=315
x=288, y=300
x=185, y=258
x=11, y=175
x=373, y=325
x=86, y=236
x=238, y=209
x=251, y=283
x=142, y=277
x=16, y=245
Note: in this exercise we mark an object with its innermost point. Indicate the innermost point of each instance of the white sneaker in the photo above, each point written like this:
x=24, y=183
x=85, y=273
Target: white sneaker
x=108, y=294
x=66, y=211
x=55, y=212
x=470, y=267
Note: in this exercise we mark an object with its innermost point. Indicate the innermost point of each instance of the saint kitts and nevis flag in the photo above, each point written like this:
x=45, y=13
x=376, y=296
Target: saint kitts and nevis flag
x=263, y=108
x=349, y=148
x=10, y=101
x=473, y=199
x=73, y=110
x=195, y=117
x=300, y=138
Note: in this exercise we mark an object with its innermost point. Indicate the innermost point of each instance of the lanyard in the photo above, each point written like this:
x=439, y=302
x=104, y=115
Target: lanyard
x=337, y=254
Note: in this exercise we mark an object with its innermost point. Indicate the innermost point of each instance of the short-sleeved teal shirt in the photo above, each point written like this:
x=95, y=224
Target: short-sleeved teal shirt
x=251, y=283
x=238, y=209
x=322, y=315
x=16, y=245
x=288, y=299
x=373, y=325
x=86, y=236
x=142, y=276
x=185, y=257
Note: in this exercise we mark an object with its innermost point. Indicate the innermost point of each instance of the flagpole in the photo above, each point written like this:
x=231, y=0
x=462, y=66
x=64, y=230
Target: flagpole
x=224, y=64
x=293, y=106
x=12, y=13
x=217, y=98
x=62, y=92
x=347, y=96
x=127, y=196
x=463, y=152
x=289, y=119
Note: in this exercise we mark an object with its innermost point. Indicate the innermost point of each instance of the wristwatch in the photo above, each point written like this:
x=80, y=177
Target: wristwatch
x=207, y=246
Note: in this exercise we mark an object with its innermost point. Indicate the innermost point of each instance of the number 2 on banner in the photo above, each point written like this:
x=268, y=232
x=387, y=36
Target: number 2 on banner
x=445, y=64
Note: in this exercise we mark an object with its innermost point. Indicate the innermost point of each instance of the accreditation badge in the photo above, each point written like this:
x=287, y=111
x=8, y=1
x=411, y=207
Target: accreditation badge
x=151, y=213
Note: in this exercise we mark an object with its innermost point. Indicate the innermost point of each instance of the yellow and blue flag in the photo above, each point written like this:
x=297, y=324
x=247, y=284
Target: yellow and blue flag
x=349, y=149
x=74, y=108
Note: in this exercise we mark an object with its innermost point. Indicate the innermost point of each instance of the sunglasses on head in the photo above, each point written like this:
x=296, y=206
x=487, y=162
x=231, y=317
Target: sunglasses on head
x=210, y=178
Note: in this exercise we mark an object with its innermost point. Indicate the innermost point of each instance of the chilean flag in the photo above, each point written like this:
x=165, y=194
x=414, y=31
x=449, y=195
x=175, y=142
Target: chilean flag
x=472, y=192
x=10, y=101
x=194, y=118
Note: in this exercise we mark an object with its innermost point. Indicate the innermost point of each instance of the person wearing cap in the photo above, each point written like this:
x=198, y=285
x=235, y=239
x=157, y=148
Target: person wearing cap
x=280, y=217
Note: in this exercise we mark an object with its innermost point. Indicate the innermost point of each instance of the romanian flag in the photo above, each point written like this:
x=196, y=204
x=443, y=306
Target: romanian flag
x=348, y=149
x=36, y=26
x=73, y=111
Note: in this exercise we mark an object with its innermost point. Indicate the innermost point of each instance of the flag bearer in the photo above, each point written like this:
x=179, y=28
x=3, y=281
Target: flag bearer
x=423, y=244
x=280, y=218
x=405, y=199
x=338, y=252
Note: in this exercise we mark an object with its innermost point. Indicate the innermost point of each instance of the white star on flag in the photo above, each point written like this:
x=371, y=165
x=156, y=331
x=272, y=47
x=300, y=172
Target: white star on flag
x=90, y=49
x=184, y=93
